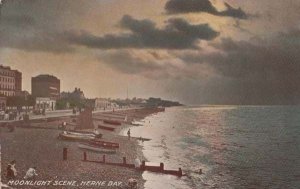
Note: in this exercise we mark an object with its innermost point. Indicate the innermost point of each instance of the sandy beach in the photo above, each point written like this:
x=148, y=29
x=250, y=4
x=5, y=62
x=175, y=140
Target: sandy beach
x=41, y=148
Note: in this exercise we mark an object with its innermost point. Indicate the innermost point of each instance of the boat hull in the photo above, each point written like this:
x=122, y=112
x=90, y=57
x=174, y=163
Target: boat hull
x=106, y=128
x=75, y=137
x=104, y=144
x=112, y=122
x=80, y=134
x=96, y=149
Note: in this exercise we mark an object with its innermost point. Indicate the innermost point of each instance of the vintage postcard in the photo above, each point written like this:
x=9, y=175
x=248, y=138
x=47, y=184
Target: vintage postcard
x=149, y=94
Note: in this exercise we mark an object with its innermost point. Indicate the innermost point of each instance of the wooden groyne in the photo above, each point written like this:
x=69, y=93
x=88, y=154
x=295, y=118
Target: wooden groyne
x=160, y=169
x=144, y=167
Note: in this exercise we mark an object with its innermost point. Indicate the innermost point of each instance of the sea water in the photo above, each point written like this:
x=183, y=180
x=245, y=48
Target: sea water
x=234, y=146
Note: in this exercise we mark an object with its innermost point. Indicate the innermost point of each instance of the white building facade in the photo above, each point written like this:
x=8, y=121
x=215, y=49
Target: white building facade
x=49, y=104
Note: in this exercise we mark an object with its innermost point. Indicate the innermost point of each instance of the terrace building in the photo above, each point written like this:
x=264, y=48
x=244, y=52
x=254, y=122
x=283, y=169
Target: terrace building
x=10, y=81
x=2, y=103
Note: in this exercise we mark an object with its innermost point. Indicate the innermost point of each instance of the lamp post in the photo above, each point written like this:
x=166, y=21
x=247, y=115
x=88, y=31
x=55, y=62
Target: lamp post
x=26, y=116
x=26, y=104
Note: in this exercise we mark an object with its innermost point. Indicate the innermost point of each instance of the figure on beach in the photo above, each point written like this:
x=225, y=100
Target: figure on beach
x=137, y=163
x=128, y=133
x=11, y=172
x=63, y=125
x=96, y=131
x=132, y=184
x=30, y=174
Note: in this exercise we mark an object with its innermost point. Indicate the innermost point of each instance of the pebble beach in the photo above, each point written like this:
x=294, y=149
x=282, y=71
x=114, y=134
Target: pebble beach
x=41, y=148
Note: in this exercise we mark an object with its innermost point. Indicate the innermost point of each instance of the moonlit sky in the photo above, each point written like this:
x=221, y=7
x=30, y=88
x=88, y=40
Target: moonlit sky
x=194, y=51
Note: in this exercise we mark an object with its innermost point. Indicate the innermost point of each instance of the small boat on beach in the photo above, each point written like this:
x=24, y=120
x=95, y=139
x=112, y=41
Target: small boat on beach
x=81, y=133
x=96, y=148
x=104, y=144
x=66, y=135
x=137, y=123
x=112, y=122
x=106, y=128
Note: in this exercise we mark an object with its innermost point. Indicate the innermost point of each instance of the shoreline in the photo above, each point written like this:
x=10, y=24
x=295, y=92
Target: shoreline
x=39, y=147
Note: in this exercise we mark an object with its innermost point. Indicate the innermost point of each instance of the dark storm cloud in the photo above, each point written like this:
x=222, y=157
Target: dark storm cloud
x=125, y=62
x=40, y=25
x=37, y=25
x=39, y=41
x=140, y=62
x=198, y=6
x=257, y=72
x=177, y=34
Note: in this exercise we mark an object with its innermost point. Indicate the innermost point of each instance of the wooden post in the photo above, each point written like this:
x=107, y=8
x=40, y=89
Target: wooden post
x=179, y=172
x=103, y=158
x=200, y=171
x=143, y=166
x=124, y=160
x=161, y=167
x=84, y=156
x=65, y=154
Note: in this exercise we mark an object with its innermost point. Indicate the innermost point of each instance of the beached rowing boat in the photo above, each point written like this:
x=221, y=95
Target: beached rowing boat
x=78, y=136
x=96, y=148
x=137, y=123
x=104, y=144
x=112, y=122
x=80, y=133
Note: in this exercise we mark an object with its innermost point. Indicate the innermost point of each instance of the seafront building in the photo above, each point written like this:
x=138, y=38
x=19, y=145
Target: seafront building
x=46, y=103
x=45, y=86
x=46, y=90
x=77, y=94
x=10, y=81
x=2, y=103
x=101, y=103
x=10, y=84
